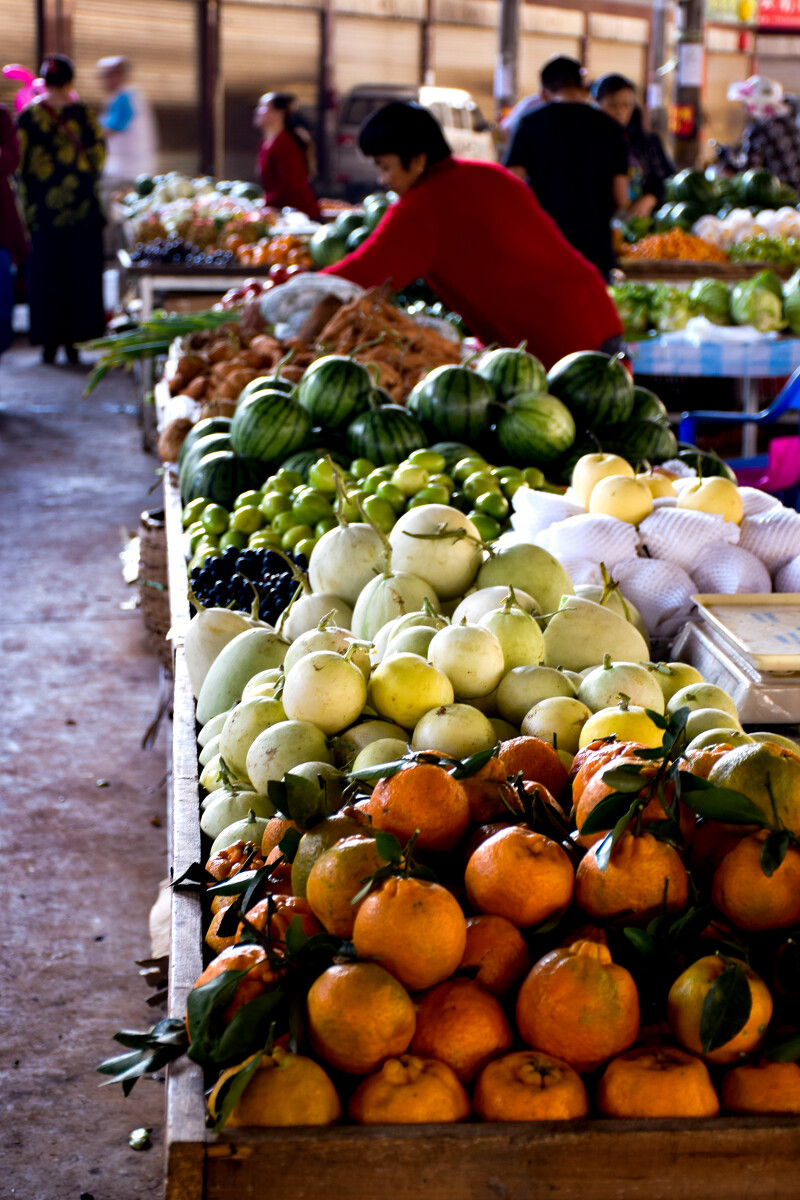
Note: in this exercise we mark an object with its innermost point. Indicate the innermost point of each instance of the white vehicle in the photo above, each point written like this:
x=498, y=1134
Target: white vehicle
x=466, y=129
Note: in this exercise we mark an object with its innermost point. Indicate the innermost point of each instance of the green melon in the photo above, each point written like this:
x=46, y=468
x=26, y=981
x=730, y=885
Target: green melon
x=510, y=371
x=269, y=426
x=453, y=402
x=534, y=428
x=595, y=387
x=386, y=434
x=334, y=389
x=222, y=476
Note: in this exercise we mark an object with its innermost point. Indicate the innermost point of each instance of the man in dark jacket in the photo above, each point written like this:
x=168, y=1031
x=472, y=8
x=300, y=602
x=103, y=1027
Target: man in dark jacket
x=575, y=160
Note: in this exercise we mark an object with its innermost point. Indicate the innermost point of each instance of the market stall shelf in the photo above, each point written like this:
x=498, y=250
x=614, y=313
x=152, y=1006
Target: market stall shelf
x=171, y=279
x=630, y=1160
x=683, y=271
x=746, y=362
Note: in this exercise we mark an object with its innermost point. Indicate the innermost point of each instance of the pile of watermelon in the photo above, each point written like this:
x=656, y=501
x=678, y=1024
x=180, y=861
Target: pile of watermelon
x=336, y=409
x=505, y=405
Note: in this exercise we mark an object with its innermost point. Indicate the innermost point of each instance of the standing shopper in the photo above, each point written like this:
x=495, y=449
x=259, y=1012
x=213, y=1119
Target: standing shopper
x=575, y=160
x=771, y=139
x=478, y=236
x=128, y=126
x=62, y=153
x=284, y=158
x=13, y=245
x=648, y=164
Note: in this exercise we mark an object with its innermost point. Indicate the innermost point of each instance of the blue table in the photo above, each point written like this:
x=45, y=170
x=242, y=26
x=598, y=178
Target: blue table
x=745, y=362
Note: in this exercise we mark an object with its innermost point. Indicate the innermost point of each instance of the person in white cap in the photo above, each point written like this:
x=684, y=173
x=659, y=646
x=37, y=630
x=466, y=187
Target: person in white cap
x=129, y=127
x=771, y=139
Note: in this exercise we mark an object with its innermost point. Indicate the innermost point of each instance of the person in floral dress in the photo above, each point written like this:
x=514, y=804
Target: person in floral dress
x=62, y=154
x=771, y=139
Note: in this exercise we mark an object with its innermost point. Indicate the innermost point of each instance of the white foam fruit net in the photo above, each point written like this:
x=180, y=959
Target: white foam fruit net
x=730, y=569
x=679, y=535
x=535, y=511
x=787, y=578
x=582, y=570
x=660, y=590
x=773, y=536
x=594, y=536
x=755, y=501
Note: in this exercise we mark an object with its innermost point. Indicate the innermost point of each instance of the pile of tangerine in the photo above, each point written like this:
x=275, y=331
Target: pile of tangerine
x=511, y=988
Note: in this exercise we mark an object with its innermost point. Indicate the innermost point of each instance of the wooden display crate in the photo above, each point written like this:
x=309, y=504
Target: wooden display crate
x=729, y=1158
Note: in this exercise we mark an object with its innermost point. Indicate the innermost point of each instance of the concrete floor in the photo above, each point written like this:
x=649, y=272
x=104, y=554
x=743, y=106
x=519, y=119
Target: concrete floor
x=81, y=862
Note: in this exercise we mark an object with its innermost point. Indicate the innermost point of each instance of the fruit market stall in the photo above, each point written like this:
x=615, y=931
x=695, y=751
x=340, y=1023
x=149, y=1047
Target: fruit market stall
x=405, y=667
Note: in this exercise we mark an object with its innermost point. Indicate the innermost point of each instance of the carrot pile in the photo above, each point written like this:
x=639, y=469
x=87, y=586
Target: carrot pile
x=676, y=244
x=219, y=362
x=374, y=331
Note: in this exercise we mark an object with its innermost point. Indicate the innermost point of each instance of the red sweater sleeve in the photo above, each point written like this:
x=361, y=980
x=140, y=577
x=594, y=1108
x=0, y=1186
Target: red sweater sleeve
x=400, y=249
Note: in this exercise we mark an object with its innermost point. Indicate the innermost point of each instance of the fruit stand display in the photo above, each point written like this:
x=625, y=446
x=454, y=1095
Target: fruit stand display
x=469, y=897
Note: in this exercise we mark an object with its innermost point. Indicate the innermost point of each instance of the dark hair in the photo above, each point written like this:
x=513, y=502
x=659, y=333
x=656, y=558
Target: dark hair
x=57, y=70
x=609, y=85
x=282, y=101
x=561, y=72
x=405, y=130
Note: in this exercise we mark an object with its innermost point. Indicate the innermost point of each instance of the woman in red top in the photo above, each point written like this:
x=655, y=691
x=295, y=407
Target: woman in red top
x=477, y=235
x=283, y=157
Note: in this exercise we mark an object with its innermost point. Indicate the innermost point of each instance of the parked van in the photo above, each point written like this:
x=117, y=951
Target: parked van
x=466, y=129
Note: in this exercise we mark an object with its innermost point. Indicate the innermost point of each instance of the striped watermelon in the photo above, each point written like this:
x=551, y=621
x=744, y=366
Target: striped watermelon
x=646, y=405
x=202, y=429
x=386, y=434
x=222, y=476
x=453, y=402
x=510, y=371
x=534, y=428
x=595, y=387
x=334, y=389
x=653, y=440
x=199, y=449
x=265, y=383
x=269, y=426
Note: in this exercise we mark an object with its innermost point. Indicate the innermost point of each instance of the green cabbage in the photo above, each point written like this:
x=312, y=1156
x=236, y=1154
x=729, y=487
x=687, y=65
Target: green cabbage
x=768, y=279
x=669, y=308
x=756, y=306
x=791, y=303
x=632, y=301
x=710, y=298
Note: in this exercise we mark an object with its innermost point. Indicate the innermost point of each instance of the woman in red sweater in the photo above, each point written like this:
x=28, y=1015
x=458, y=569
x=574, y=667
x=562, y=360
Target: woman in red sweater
x=477, y=235
x=283, y=156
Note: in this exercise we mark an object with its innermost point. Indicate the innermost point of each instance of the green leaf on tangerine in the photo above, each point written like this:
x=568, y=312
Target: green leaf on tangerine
x=726, y=1008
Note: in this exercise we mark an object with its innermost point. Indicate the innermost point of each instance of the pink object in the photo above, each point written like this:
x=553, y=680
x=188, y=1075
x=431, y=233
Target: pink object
x=31, y=85
x=30, y=88
x=782, y=469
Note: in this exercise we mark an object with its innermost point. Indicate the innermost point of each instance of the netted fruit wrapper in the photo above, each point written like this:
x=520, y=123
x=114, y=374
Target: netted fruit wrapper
x=594, y=536
x=729, y=570
x=679, y=535
x=678, y=467
x=754, y=501
x=582, y=570
x=773, y=536
x=535, y=511
x=661, y=591
x=787, y=577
